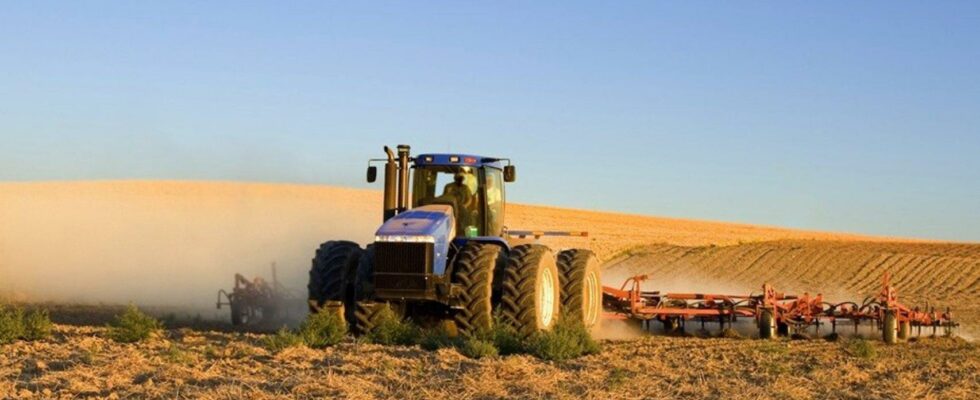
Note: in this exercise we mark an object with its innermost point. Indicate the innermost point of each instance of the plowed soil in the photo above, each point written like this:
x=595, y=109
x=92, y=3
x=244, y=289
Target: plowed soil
x=81, y=363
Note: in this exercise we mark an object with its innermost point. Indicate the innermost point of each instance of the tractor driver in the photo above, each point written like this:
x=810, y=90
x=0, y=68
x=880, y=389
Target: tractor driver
x=462, y=195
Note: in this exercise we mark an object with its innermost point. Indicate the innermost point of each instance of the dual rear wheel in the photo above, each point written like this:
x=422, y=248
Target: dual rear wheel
x=530, y=290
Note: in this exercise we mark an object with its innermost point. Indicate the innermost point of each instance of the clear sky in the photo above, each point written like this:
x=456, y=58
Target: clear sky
x=851, y=116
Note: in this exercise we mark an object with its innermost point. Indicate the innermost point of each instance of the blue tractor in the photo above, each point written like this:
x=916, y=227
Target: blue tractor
x=443, y=256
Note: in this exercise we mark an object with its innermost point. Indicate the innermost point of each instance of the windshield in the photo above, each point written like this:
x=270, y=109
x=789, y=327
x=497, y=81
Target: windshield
x=461, y=188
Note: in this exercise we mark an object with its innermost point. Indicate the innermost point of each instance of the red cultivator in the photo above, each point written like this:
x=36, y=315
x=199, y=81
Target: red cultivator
x=774, y=313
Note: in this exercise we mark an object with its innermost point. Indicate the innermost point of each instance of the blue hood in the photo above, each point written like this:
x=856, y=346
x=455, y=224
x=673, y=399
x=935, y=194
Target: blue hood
x=430, y=220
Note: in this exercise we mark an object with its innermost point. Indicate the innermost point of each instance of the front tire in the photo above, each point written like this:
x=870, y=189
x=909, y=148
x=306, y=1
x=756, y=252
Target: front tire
x=364, y=277
x=330, y=272
x=581, y=286
x=473, y=266
x=531, y=295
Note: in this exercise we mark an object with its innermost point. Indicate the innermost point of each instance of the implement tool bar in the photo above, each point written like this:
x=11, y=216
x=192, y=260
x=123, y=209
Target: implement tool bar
x=539, y=234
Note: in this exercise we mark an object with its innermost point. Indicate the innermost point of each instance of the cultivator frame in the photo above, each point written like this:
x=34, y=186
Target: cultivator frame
x=256, y=301
x=775, y=313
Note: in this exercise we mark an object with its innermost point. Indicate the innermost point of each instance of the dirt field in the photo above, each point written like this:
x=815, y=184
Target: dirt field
x=170, y=245
x=78, y=362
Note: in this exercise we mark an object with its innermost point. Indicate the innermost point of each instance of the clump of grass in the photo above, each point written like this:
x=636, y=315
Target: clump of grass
x=389, y=329
x=477, y=348
x=435, y=339
x=322, y=329
x=500, y=339
x=617, y=377
x=133, y=326
x=16, y=324
x=775, y=367
x=11, y=324
x=88, y=356
x=37, y=325
x=505, y=338
x=175, y=355
x=861, y=348
x=566, y=340
x=729, y=333
x=281, y=340
x=770, y=347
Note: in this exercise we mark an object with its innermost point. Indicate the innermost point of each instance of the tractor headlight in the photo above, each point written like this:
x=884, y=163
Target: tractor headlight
x=405, y=238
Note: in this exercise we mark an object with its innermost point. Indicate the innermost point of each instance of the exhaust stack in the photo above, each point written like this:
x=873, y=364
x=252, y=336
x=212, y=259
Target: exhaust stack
x=390, y=193
x=403, y=159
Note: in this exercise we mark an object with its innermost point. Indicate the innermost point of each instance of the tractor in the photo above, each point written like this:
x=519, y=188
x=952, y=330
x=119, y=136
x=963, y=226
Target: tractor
x=443, y=255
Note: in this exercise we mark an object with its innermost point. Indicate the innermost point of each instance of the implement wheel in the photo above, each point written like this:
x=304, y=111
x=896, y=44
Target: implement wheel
x=331, y=273
x=767, y=324
x=473, y=270
x=904, y=330
x=581, y=286
x=531, y=297
x=784, y=329
x=889, y=327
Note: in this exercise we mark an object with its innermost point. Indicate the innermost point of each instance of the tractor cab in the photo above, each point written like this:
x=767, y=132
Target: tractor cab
x=471, y=185
x=474, y=191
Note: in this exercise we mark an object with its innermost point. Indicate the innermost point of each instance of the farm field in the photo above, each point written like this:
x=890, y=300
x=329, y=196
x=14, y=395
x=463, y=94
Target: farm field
x=79, y=362
x=169, y=245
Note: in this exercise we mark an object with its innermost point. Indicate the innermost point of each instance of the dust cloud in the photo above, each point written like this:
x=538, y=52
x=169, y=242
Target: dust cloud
x=171, y=244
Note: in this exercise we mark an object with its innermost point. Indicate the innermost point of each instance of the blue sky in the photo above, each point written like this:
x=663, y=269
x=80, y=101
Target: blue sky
x=861, y=117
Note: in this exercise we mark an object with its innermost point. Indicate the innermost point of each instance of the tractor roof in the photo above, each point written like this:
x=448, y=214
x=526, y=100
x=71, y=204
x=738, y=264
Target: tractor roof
x=457, y=159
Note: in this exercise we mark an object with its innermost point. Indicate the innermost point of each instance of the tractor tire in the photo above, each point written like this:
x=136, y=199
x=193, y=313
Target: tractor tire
x=365, y=317
x=767, y=324
x=330, y=272
x=889, y=327
x=473, y=270
x=904, y=330
x=531, y=296
x=367, y=314
x=364, y=277
x=581, y=286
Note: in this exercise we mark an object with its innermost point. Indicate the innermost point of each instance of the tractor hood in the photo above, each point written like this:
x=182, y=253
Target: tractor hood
x=432, y=220
x=426, y=224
